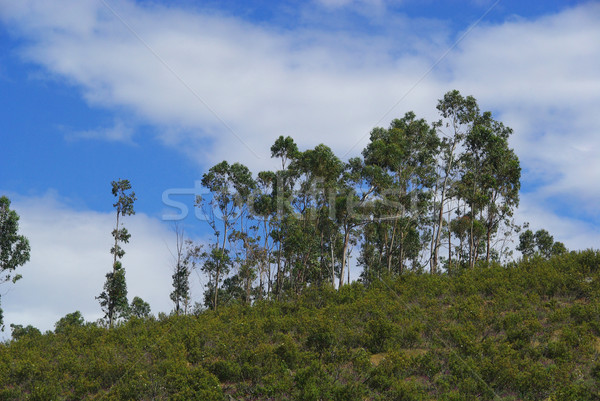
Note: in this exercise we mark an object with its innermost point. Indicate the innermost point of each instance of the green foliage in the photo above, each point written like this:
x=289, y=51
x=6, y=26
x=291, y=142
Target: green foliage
x=524, y=332
x=417, y=188
x=139, y=308
x=19, y=331
x=14, y=248
x=113, y=300
x=69, y=321
x=541, y=243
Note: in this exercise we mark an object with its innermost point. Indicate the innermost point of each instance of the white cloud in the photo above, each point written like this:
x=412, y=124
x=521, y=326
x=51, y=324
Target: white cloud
x=542, y=78
x=70, y=258
x=316, y=87
x=361, y=4
x=574, y=233
x=119, y=132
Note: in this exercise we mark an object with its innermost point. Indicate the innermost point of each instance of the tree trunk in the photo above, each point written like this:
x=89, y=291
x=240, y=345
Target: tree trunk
x=116, y=243
x=332, y=262
x=344, y=252
x=391, y=246
x=438, y=234
x=216, y=288
x=278, y=270
x=449, y=243
x=487, y=251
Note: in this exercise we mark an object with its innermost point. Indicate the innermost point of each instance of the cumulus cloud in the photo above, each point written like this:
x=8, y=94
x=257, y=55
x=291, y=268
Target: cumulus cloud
x=70, y=258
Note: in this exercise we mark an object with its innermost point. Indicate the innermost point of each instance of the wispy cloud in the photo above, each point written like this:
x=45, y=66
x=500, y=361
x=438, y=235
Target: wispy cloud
x=118, y=132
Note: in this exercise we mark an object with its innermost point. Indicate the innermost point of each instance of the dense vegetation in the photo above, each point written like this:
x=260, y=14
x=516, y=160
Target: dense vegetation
x=526, y=331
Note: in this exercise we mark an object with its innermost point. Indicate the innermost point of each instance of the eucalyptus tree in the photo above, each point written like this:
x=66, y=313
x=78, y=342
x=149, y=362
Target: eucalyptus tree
x=490, y=181
x=264, y=209
x=14, y=247
x=230, y=187
x=402, y=168
x=351, y=211
x=181, y=273
x=216, y=264
x=539, y=243
x=317, y=171
x=287, y=151
x=113, y=300
x=139, y=308
x=66, y=323
x=458, y=115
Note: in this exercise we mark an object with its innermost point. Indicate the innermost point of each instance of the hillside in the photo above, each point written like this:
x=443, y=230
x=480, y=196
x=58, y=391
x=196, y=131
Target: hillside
x=529, y=331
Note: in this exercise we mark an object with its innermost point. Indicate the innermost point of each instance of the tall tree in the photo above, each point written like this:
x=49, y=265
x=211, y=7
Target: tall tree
x=490, y=181
x=458, y=115
x=287, y=151
x=113, y=300
x=350, y=207
x=402, y=162
x=230, y=187
x=264, y=208
x=14, y=247
x=216, y=264
x=318, y=172
x=181, y=273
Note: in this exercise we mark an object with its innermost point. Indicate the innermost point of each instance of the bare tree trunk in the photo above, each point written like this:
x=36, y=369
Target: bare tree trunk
x=332, y=262
x=449, y=243
x=344, y=252
x=225, y=227
x=116, y=243
x=438, y=234
x=487, y=251
x=391, y=247
x=348, y=263
x=279, y=270
x=401, y=252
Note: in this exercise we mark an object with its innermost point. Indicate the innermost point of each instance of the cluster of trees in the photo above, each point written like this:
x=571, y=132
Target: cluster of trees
x=539, y=243
x=427, y=197
x=422, y=196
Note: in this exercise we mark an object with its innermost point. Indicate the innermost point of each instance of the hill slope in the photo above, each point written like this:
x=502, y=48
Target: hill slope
x=525, y=332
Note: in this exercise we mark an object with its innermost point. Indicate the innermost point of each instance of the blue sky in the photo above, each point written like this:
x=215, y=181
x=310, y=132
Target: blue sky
x=92, y=91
